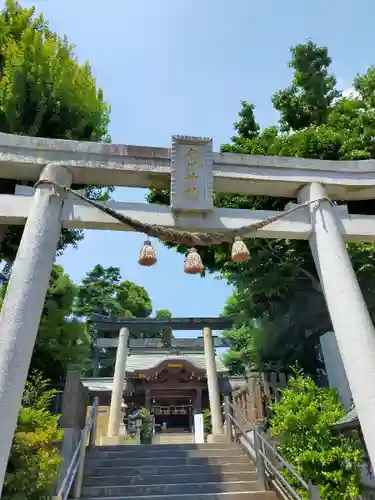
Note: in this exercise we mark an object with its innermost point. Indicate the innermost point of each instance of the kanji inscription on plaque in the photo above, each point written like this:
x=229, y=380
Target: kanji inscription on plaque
x=191, y=175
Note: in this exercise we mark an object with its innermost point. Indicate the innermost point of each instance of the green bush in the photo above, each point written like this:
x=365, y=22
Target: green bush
x=147, y=429
x=302, y=423
x=34, y=460
x=207, y=425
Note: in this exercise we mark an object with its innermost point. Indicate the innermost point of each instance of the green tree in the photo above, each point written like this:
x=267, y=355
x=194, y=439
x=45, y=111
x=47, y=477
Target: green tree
x=248, y=349
x=44, y=92
x=165, y=333
x=34, y=460
x=103, y=292
x=247, y=126
x=313, y=90
x=278, y=287
x=163, y=313
x=62, y=339
x=134, y=300
x=302, y=423
x=97, y=292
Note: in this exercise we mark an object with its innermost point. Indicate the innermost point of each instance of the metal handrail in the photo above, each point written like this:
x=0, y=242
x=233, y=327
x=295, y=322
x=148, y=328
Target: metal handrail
x=285, y=464
x=265, y=467
x=281, y=478
x=74, y=472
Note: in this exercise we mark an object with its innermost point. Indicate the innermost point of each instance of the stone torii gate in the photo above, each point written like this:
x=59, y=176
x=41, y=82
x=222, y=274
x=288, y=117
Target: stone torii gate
x=61, y=163
x=127, y=326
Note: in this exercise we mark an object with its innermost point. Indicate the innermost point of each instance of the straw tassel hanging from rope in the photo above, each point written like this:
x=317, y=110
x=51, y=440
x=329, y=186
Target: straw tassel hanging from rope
x=147, y=256
x=240, y=252
x=193, y=263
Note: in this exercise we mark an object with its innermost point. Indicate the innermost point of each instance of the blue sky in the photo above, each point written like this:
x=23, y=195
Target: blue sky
x=182, y=67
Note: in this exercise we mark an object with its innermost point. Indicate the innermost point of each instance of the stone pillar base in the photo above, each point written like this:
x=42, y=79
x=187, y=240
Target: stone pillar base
x=217, y=438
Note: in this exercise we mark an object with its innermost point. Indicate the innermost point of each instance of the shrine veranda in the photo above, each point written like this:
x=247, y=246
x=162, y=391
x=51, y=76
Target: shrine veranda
x=192, y=172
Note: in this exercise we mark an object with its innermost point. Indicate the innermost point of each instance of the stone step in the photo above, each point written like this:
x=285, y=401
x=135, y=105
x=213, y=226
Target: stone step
x=164, y=452
x=173, y=439
x=166, y=441
x=193, y=489
x=92, y=463
x=170, y=478
x=157, y=469
x=237, y=495
x=244, y=495
x=192, y=446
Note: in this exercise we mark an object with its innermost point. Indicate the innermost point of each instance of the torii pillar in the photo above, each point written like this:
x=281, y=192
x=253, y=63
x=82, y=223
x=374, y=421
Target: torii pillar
x=118, y=384
x=350, y=318
x=213, y=388
x=24, y=299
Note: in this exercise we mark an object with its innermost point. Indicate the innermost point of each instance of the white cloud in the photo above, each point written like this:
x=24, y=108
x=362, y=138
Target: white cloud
x=350, y=93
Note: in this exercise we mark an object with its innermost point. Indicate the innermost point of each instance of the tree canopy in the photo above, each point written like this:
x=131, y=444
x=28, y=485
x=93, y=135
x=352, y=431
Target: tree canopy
x=277, y=302
x=163, y=313
x=44, y=92
x=103, y=292
x=66, y=335
x=62, y=339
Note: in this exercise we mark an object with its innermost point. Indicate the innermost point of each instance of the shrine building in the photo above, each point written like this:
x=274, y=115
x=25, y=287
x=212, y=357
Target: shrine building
x=164, y=374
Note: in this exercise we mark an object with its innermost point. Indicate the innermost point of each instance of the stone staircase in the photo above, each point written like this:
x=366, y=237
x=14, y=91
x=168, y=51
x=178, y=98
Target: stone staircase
x=171, y=472
x=180, y=438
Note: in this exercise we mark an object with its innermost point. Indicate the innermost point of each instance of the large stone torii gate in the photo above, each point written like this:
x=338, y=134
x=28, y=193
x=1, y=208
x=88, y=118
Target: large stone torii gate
x=58, y=162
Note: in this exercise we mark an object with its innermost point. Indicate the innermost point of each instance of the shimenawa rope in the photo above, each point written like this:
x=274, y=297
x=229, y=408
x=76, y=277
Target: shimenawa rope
x=177, y=236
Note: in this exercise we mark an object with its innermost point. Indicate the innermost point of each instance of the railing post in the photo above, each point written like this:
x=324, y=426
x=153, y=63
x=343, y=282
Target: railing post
x=259, y=460
x=92, y=438
x=228, y=420
x=77, y=486
x=314, y=493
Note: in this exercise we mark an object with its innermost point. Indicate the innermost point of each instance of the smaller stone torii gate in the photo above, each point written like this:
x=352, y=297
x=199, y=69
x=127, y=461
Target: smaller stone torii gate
x=192, y=172
x=127, y=326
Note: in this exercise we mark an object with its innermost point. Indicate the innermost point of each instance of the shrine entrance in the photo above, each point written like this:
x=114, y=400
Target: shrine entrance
x=192, y=173
x=172, y=418
x=172, y=391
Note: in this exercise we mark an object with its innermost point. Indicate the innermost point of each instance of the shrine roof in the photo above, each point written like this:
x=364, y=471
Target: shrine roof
x=349, y=421
x=138, y=362
x=105, y=384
